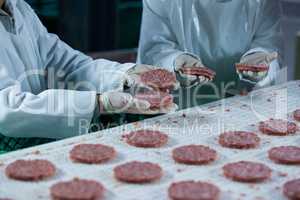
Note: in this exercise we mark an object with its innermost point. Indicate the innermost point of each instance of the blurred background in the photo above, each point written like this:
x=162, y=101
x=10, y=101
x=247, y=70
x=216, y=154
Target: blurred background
x=110, y=28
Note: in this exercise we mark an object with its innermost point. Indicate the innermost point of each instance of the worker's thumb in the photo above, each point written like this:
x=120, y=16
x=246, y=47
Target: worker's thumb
x=141, y=104
x=271, y=57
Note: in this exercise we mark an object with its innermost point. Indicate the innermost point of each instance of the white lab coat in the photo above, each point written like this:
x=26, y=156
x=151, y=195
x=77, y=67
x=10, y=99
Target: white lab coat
x=47, y=89
x=219, y=32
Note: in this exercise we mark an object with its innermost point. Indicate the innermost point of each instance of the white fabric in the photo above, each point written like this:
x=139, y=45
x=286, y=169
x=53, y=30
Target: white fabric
x=257, y=56
x=47, y=89
x=188, y=60
x=118, y=102
x=219, y=32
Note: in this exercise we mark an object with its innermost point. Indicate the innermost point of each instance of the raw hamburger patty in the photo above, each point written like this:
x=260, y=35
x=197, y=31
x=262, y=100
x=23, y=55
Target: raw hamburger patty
x=252, y=68
x=194, y=155
x=239, y=140
x=159, y=79
x=291, y=189
x=278, y=127
x=138, y=172
x=77, y=190
x=191, y=190
x=297, y=115
x=197, y=71
x=30, y=170
x=156, y=99
x=92, y=153
x=146, y=139
x=285, y=155
x=247, y=171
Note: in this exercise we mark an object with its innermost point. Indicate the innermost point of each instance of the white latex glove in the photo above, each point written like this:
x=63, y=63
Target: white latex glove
x=119, y=102
x=133, y=79
x=260, y=58
x=186, y=60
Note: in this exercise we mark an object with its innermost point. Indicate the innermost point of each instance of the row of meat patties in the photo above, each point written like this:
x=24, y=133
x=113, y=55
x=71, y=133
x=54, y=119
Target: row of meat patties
x=137, y=172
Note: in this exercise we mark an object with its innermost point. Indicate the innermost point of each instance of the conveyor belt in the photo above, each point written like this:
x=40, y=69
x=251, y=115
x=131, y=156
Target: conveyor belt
x=200, y=125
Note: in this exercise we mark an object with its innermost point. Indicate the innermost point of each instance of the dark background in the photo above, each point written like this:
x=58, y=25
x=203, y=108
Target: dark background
x=110, y=28
x=92, y=25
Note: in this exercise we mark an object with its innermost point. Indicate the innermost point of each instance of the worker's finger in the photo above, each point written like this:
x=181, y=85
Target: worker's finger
x=139, y=87
x=188, y=77
x=204, y=80
x=176, y=85
x=121, y=101
x=199, y=64
x=255, y=74
x=271, y=57
x=140, y=104
x=139, y=69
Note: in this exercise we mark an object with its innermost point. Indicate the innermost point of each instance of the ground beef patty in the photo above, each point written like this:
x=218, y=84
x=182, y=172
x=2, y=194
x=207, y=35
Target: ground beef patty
x=199, y=71
x=247, y=171
x=77, y=189
x=297, y=115
x=191, y=190
x=194, y=155
x=291, y=189
x=159, y=79
x=278, y=127
x=156, y=99
x=252, y=68
x=285, y=155
x=138, y=172
x=239, y=140
x=146, y=139
x=30, y=170
x=92, y=153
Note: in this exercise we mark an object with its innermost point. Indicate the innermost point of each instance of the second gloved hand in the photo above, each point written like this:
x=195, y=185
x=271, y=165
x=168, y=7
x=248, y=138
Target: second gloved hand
x=119, y=102
x=185, y=61
x=263, y=75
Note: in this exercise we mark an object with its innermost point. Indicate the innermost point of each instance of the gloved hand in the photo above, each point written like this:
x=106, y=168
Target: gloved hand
x=186, y=60
x=133, y=79
x=259, y=59
x=119, y=102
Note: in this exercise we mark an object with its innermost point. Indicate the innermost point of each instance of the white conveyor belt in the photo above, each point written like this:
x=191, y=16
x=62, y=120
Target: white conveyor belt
x=200, y=125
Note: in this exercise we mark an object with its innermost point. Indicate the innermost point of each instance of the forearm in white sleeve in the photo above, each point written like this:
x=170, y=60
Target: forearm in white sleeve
x=158, y=45
x=268, y=31
x=50, y=114
x=76, y=70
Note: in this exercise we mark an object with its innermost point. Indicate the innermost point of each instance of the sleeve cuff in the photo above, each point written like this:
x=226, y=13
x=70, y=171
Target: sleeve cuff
x=169, y=61
x=255, y=50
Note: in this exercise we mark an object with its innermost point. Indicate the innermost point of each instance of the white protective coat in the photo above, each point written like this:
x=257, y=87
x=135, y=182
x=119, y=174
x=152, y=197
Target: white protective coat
x=47, y=89
x=219, y=32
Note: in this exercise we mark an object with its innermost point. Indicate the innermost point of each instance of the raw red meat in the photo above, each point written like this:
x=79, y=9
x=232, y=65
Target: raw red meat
x=199, y=71
x=191, y=190
x=278, y=127
x=30, y=170
x=239, y=140
x=297, y=115
x=194, y=155
x=253, y=68
x=77, y=190
x=92, y=153
x=146, y=138
x=247, y=171
x=285, y=155
x=159, y=79
x=138, y=172
x=291, y=189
